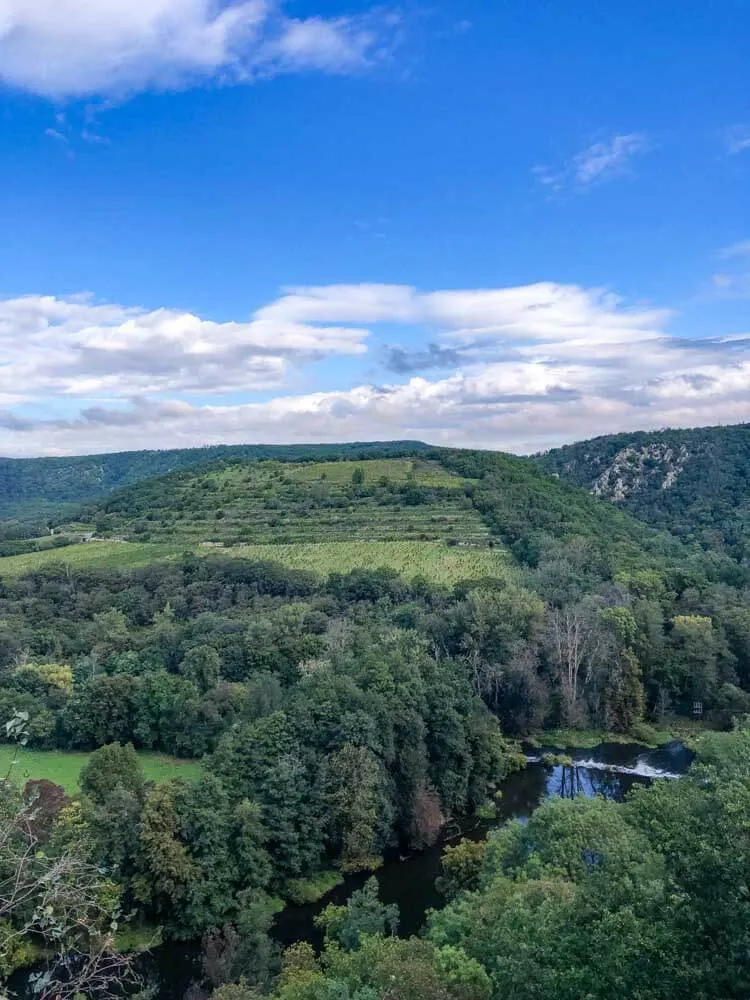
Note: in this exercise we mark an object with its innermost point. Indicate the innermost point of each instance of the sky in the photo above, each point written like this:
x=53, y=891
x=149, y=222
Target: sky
x=507, y=224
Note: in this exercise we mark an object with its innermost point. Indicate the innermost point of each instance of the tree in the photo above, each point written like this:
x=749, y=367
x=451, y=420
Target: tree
x=56, y=907
x=109, y=767
x=102, y=711
x=113, y=791
x=165, y=870
x=461, y=867
x=694, y=645
x=201, y=665
x=353, y=786
x=573, y=642
x=620, y=673
x=363, y=914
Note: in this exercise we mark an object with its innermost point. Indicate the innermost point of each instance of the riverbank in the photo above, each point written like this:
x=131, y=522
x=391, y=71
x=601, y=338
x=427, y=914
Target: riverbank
x=685, y=731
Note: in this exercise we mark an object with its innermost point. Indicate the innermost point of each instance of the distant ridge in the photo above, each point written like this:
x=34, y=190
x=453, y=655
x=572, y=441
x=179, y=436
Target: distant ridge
x=694, y=483
x=40, y=487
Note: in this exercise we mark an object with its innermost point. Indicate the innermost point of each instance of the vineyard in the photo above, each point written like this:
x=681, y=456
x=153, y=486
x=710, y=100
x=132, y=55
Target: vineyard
x=435, y=560
x=288, y=504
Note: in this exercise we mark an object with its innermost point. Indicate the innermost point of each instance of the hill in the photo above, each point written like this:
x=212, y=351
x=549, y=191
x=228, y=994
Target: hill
x=694, y=483
x=448, y=514
x=37, y=488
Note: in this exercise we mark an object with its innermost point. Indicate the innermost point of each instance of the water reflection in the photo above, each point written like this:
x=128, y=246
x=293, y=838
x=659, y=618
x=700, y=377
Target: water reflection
x=610, y=770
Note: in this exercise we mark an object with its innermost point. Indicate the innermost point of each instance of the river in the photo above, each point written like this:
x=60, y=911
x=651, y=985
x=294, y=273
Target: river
x=611, y=769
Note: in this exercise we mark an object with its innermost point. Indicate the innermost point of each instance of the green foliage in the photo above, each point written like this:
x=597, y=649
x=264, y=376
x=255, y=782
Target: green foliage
x=106, y=769
x=32, y=488
x=354, y=787
x=345, y=708
x=313, y=888
x=690, y=482
x=461, y=867
x=272, y=502
x=362, y=915
x=595, y=899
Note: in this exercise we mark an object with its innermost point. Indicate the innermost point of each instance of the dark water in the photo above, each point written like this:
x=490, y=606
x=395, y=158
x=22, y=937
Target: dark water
x=611, y=770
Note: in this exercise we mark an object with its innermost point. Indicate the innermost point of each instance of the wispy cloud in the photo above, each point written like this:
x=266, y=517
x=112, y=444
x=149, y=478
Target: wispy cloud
x=733, y=281
x=739, y=249
x=81, y=48
x=522, y=368
x=600, y=161
x=737, y=138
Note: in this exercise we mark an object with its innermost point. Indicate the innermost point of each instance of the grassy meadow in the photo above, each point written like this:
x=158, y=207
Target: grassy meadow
x=64, y=767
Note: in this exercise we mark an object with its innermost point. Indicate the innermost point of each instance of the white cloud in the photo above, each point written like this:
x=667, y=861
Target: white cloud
x=600, y=161
x=532, y=366
x=609, y=157
x=737, y=139
x=76, y=48
x=75, y=347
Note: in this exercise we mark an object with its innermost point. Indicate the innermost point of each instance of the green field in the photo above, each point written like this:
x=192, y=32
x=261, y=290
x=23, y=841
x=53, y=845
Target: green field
x=63, y=767
x=397, y=470
x=90, y=555
x=435, y=560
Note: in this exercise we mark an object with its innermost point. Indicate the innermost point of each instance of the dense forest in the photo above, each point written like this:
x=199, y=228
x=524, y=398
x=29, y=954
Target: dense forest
x=647, y=900
x=694, y=483
x=344, y=716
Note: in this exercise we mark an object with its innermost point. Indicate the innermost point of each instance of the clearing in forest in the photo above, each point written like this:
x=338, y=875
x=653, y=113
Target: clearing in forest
x=64, y=767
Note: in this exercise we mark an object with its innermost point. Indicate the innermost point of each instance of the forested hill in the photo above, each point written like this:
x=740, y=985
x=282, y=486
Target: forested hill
x=456, y=494
x=694, y=483
x=38, y=486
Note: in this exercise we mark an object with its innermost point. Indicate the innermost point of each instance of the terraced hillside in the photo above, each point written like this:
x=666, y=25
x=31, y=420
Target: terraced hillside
x=448, y=515
x=34, y=489
x=266, y=503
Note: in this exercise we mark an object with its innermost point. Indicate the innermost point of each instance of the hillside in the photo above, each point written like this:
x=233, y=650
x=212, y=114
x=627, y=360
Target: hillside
x=34, y=488
x=449, y=515
x=694, y=483
x=270, y=502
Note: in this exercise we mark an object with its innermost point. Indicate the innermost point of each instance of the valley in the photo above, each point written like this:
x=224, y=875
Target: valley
x=260, y=678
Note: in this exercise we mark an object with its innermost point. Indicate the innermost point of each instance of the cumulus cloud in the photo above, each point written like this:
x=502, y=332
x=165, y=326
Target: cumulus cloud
x=402, y=361
x=77, y=48
x=76, y=347
x=524, y=368
x=598, y=162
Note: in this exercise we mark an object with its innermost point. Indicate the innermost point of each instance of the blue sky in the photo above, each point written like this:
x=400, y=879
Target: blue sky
x=507, y=224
